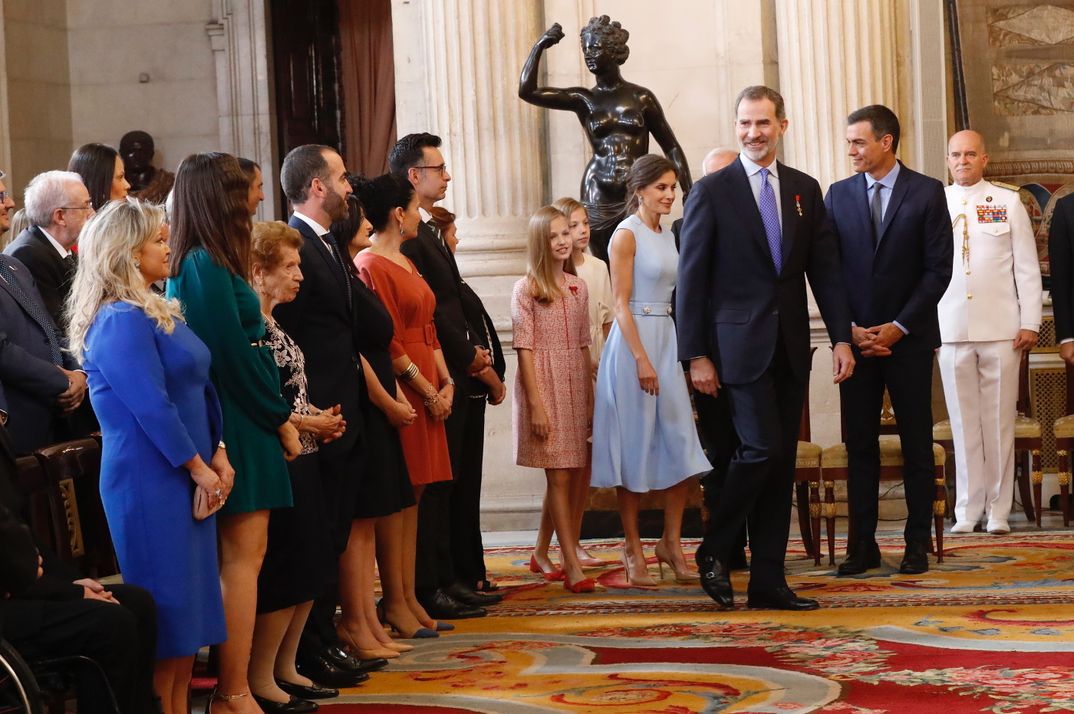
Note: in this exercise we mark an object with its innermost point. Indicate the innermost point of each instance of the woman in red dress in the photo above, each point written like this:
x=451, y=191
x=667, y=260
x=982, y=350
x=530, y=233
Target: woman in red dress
x=392, y=208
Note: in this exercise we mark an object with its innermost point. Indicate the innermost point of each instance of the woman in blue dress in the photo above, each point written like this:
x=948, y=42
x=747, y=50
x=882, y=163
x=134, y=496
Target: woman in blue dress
x=644, y=437
x=161, y=428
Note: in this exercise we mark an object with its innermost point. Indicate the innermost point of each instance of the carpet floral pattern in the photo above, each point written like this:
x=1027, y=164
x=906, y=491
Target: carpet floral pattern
x=989, y=630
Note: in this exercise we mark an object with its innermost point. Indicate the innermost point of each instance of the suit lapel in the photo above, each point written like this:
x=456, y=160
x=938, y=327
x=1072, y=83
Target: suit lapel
x=897, y=195
x=789, y=199
x=10, y=282
x=742, y=195
x=333, y=266
x=438, y=245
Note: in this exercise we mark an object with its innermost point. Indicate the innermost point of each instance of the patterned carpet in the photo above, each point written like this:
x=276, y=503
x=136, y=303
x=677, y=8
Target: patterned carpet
x=990, y=630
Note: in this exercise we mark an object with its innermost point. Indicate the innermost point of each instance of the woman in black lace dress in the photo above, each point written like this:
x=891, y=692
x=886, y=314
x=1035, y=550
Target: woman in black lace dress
x=299, y=559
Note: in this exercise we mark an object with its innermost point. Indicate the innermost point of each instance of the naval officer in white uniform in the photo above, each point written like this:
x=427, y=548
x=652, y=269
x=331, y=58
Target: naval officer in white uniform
x=988, y=316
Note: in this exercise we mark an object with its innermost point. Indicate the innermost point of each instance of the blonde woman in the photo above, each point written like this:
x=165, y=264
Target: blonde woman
x=161, y=426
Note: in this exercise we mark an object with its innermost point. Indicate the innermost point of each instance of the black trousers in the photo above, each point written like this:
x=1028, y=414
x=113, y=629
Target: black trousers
x=766, y=414
x=908, y=379
x=718, y=437
x=340, y=474
x=122, y=639
x=467, y=548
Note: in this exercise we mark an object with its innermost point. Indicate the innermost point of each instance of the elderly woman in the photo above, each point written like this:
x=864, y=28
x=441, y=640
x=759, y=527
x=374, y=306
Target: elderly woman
x=101, y=169
x=617, y=117
x=298, y=562
x=161, y=429
x=211, y=239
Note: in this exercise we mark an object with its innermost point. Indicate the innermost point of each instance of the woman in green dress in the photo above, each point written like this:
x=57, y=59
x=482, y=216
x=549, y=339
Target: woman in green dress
x=210, y=240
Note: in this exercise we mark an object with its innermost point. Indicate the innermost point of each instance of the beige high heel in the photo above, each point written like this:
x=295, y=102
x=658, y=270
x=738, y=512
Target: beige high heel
x=646, y=581
x=681, y=576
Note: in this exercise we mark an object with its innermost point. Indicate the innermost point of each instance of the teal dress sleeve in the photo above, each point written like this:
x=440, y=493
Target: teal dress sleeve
x=142, y=390
x=209, y=295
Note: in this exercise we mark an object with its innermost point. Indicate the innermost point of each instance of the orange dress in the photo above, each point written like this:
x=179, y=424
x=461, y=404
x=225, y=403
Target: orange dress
x=411, y=303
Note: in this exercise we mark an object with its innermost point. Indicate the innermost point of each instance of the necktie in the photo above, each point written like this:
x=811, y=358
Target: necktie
x=339, y=265
x=770, y=218
x=35, y=309
x=877, y=209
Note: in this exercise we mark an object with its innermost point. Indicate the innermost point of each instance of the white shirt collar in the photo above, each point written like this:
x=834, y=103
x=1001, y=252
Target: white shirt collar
x=425, y=215
x=753, y=167
x=969, y=189
x=317, y=227
x=64, y=252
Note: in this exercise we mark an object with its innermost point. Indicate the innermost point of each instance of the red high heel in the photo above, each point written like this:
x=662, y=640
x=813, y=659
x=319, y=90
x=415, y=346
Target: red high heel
x=585, y=585
x=549, y=575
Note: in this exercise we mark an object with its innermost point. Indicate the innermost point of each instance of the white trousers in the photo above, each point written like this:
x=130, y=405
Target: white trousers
x=980, y=385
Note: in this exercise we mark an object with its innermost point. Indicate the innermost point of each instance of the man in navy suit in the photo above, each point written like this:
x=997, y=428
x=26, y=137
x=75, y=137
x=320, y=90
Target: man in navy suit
x=1061, y=257
x=751, y=233
x=319, y=320
x=896, y=241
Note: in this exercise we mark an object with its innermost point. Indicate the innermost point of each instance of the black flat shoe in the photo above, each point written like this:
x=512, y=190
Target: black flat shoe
x=863, y=555
x=781, y=598
x=292, y=706
x=716, y=582
x=469, y=597
x=915, y=559
x=301, y=691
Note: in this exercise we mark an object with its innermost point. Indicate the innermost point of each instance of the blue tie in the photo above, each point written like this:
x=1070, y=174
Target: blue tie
x=770, y=217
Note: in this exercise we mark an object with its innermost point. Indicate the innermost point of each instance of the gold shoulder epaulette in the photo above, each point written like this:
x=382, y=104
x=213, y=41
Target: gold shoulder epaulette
x=1008, y=186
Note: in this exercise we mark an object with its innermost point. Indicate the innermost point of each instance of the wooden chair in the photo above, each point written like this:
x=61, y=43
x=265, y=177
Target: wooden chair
x=72, y=473
x=1064, y=442
x=834, y=467
x=1027, y=446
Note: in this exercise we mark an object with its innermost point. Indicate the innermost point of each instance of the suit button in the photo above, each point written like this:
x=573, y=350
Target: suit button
x=775, y=313
x=969, y=296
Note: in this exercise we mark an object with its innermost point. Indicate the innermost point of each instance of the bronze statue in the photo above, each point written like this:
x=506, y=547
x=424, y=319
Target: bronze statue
x=147, y=181
x=617, y=116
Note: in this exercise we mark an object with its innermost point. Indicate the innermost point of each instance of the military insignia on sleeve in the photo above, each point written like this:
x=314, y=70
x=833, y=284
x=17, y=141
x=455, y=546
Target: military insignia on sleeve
x=991, y=214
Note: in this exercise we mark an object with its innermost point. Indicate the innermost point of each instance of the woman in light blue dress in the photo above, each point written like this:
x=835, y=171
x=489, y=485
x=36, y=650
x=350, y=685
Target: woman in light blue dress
x=644, y=437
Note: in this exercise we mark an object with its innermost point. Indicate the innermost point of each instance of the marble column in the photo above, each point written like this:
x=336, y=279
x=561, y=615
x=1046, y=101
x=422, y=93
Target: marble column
x=835, y=56
x=457, y=65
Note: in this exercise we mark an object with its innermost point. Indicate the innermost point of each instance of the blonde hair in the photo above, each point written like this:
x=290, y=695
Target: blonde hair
x=567, y=206
x=107, y=273
x=539, y=262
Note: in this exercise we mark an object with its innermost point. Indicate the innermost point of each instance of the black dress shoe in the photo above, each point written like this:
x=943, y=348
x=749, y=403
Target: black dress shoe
x=469, y=597
x=349, y=663
x=303, y=692
x=442, y=606
x=915, y=559
x=292, y=706
x=321, y=670
x=781, y=598
x=715, y=581
x=863, y=555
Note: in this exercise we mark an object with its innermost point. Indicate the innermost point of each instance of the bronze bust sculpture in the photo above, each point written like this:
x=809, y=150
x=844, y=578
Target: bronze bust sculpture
x=617, y=116
x=147, y=181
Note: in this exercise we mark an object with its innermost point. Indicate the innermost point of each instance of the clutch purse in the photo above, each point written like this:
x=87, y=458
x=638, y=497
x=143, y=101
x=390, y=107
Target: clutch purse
x=202, y=509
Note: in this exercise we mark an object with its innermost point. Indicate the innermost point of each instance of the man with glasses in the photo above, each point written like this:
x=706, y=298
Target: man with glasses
x=38, y=379
x=57, y=206
x=445, y=514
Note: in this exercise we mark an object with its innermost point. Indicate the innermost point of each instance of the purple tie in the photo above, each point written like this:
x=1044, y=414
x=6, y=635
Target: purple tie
x=770, y=217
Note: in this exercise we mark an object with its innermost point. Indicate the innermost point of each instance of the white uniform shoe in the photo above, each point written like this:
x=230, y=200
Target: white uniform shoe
x=998, y=527
x=963, y=527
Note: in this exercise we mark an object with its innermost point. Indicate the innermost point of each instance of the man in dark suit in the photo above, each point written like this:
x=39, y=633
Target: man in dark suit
x=417, y=159
x=895, y=237
x=57, y=206
x=751, y=233
x=1061, y=258
x=319, y=320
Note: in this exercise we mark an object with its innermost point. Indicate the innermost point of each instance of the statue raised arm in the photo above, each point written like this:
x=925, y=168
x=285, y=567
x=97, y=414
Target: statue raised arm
x=617, y=116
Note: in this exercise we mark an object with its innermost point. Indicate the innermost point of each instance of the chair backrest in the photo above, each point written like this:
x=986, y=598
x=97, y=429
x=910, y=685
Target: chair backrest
x=73, y=471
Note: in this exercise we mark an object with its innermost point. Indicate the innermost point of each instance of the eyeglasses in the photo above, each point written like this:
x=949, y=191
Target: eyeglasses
x=3, y=196
x=441, y=169
x=78, y=208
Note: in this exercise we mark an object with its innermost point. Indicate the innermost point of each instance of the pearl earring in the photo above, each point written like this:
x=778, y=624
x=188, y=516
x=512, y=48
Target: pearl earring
x=137, y=264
